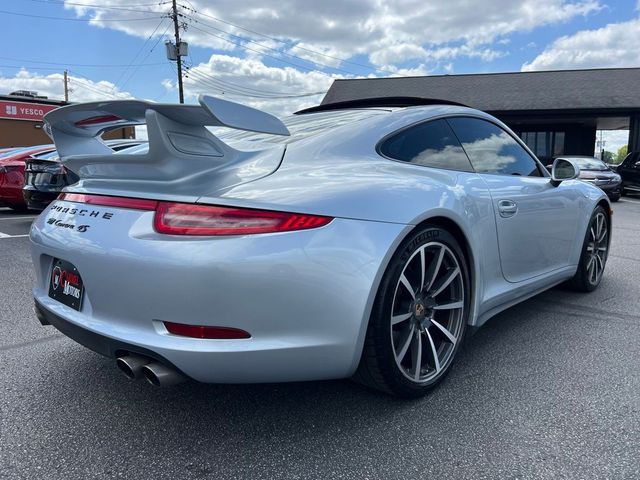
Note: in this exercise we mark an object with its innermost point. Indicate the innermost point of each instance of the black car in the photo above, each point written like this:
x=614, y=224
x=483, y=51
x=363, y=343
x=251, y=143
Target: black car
x=629, y=170
x=45, y=176
x=595, y=171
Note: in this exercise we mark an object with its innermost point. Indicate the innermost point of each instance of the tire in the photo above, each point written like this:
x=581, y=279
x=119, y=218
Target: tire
x=591, y=266
x=409, y=323
x=623, y=192
x=615, y=197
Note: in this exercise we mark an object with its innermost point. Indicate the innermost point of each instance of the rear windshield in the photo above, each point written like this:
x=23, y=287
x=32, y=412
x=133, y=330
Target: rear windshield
x=300, y=126
x=46, y=155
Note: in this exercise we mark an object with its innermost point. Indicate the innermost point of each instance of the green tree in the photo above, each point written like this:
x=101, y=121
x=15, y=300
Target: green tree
x=622, y=152
x=607, y=156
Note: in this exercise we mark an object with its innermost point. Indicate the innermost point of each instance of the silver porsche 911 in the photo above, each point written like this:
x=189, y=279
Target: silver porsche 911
x=353, y=240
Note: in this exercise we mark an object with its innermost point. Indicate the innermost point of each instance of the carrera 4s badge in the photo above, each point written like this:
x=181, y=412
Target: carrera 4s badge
x=60, y=223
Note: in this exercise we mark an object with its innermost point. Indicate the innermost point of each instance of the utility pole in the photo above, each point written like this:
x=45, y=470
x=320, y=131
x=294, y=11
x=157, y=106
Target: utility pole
x=176, y=28
x=66, y=86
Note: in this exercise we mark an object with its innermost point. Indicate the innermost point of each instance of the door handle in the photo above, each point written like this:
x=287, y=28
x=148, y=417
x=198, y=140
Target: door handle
x=507, y=208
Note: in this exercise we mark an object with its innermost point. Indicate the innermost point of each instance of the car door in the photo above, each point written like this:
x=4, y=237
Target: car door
x=536, y=222
x=629, y=170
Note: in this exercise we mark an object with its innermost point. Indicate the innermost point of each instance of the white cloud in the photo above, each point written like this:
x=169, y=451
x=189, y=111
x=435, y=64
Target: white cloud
x=385, y=31
x=52, y=86
x=250, y=81
x=615, y=45
x=614, y=139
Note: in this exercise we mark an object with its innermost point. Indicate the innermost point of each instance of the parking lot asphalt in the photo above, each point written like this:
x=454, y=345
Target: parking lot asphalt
x=547, y=389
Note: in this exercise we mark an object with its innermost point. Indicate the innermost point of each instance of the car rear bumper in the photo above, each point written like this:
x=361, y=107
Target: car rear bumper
x=305, y=297
x=38, y=200
x=11, y=189
x=109, y=347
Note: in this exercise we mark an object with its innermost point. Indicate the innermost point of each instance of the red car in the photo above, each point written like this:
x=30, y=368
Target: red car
x=12, y=174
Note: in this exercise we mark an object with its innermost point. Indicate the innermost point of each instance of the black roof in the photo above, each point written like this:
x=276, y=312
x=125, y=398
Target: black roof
x=615, y=88
x=43, y=101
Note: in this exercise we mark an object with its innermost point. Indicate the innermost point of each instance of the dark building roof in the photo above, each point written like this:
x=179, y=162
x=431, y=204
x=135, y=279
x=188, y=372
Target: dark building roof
x=28, y=99
x=606, y=89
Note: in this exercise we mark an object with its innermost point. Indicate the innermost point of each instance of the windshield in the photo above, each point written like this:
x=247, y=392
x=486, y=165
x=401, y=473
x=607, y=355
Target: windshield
x=590, y=163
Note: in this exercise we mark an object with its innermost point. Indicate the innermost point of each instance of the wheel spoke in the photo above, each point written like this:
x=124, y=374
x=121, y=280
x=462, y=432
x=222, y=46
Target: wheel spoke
x=449, y=306
x=444, y=282
x=446, y=332
x=408, y=286
x=603, y=235
x=592, y=270
x=434, y=352
x=416, y=355
x=593, y=235
x=422, y=268
x=405, y=345
x=434, y=268
x=395, y=319
x=600, y=264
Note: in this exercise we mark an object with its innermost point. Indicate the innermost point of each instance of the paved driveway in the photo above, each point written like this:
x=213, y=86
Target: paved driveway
x=547, y=389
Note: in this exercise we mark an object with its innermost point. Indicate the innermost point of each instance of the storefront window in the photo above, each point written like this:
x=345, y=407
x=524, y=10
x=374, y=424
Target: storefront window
x=544, y=144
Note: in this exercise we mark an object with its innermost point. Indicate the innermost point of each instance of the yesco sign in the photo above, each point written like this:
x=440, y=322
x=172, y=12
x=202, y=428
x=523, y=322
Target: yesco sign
x=24, y=110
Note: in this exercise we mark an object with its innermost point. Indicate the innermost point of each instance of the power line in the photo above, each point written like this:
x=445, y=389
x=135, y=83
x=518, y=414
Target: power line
x=79, y=19
x=91, y=88
x=100, y=7
x=147, y=55
x=95, y=88
x=222, y=85
x=65, y=64
x=262, y=53
x=266, y=47
x=315, y=52
x=138, y=52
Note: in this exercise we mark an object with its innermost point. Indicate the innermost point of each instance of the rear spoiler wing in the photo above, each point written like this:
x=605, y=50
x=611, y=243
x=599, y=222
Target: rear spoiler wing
x=76, y=129
x=184, y=157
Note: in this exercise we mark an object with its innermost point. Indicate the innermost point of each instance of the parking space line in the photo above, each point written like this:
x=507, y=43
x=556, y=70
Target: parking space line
x=629, y=200
x=16, y=218
x=6, y=235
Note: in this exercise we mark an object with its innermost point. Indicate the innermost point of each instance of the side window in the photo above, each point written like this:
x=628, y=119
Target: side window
x=491, y=149
x=431, y=144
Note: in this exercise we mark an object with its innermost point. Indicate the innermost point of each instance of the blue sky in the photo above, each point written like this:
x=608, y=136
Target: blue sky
x=257, y=51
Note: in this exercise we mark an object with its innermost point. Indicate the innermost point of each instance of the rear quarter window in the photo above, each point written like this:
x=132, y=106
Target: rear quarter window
x=430, y=144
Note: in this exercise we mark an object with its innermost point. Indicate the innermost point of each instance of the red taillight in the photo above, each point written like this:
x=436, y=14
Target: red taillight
x=201, y=331
x=188, y=219
x=107, y=201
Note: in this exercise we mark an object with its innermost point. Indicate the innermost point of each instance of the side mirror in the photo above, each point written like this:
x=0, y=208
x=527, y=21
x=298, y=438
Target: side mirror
x=637, y=164
x=562, y=170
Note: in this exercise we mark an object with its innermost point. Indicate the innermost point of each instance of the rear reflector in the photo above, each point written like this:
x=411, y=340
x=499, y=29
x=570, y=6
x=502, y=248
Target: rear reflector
x=211, y=220
x=201, y=331
x=189, y=219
